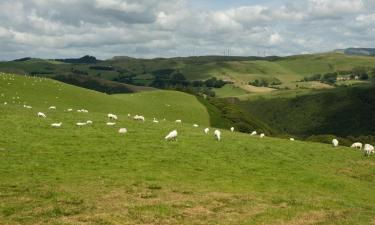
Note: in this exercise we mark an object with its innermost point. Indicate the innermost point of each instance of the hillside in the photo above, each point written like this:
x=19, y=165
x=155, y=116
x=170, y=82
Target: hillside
x=341, y=111
x=279, y=72
x=93, y=175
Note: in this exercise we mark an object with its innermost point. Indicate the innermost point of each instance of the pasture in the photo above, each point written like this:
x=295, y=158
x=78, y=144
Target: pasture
x=94, y=175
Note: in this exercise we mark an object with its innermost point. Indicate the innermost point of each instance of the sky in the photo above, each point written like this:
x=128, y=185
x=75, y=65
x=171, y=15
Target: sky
x=170, y=28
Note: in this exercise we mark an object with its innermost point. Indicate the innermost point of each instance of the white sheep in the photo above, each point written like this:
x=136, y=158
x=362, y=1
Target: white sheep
x=172, y=136
x=155, y=120
x=112, y=116
x=335, y=142
x=89, y=122
x=217, y=134
x=253, y=133
x=139, y=118
x=122, y=131
x=129, y=115
x=232, y=129
x=40, y=114
x=368, y=149
x=357, y=145
x=69, y=110
x=81, y=124
x=56, y=124
x=111, y=124
x=178, y=121
x=291, y=139
x=262, y=135
x=206, y=130
x=195, y=125
x=52, y=107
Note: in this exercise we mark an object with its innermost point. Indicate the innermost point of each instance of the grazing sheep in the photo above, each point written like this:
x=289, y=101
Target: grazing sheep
x=172, y=136
x=217, y=134
x=139, y=118
x=89, y=122
x=81, y=124
x=79, y=110
x=291, y=139
x=253, y=133
x=56, y=124
x=111, y=124
x=52, y=107
x=262, y=135
x=232, y=129
x=195, y=125
x=5, y=103
x=178, y=121
x=335, y=142
x=112, y=116
x=368, y=149
x=357, y=145
x=69, y=110
x=206, y=130
x=155, y=121
x=40, y=114
x=122, y=131
x=129, y=115
x=27, y=107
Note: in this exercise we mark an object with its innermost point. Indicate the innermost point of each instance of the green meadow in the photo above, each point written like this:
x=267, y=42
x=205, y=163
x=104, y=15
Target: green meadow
x=94, y=175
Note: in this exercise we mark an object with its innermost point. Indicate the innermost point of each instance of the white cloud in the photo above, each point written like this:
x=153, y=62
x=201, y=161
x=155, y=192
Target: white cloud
x=152, y=28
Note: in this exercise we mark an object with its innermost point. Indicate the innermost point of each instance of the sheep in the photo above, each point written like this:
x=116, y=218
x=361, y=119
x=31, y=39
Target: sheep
x=195, y=125
x=139, y=118
x=172, y=136
x=111, y=124
x=206, y=130
x=232, y=129
x=262, y=135
x=357, y=145
x=56, y=124
x=5, y=103
x=291, y=139
x=112, y=116
x=27, y=107
x=81, y=124
x=40, y=114
x=69, y=110
x=52, y=107
x=253, y=133
x=217, y=134
x=122, y=131
x=178, y=121
x=335, y=142
x=129, y=115
x=368, y=149
x=89, y=122
x=155, y=121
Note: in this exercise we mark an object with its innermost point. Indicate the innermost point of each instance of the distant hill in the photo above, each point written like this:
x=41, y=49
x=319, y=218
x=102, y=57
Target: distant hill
x=358, y=51
x=84, y=60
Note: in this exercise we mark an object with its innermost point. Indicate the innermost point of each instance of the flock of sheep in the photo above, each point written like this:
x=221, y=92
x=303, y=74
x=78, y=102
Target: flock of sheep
x=367, y=149
x=171, y=136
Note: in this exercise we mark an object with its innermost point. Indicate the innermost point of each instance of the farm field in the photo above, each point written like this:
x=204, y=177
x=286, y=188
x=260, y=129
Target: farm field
x=94, y=175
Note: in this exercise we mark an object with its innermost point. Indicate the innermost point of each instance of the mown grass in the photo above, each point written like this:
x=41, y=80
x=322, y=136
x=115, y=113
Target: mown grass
x=93, y=175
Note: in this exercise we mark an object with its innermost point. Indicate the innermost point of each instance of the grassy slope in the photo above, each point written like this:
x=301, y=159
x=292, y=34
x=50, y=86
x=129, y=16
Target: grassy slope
x=92, y=175
x=241, y=71
x=343, y=111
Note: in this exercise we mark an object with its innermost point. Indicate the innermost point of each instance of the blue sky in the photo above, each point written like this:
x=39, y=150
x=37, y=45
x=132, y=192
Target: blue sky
x=168, y=28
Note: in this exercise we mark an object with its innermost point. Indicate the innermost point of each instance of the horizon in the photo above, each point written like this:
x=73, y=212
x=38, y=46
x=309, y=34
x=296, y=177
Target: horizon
x=180, y=28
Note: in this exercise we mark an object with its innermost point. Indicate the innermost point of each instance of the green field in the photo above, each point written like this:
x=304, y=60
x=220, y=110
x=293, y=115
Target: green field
x=93, y=175
x=239, y=70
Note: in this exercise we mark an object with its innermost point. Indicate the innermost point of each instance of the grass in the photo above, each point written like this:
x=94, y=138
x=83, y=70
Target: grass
x=93, y=175
x=229, y=90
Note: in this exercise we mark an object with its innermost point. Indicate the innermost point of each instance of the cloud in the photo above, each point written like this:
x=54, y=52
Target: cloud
x=152, y=28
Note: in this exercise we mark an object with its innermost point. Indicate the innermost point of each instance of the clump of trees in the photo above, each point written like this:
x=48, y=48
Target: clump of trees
x=360, y=73
x=259, y=83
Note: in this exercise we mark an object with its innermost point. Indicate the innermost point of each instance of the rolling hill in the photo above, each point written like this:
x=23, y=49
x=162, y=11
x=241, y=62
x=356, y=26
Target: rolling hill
x=283, y=71
x=93, y=175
